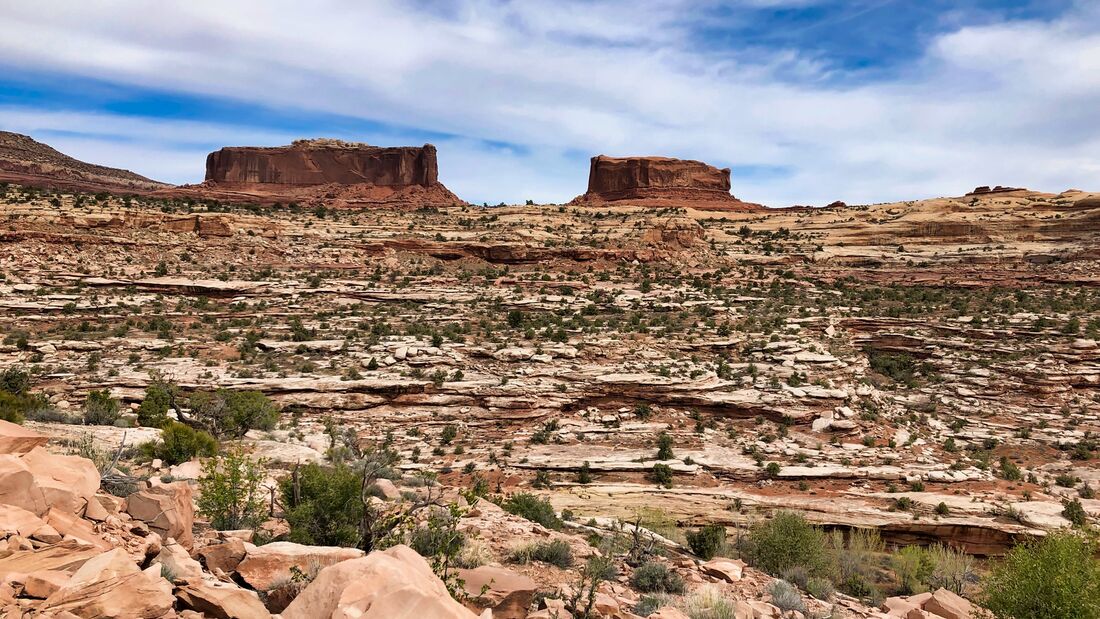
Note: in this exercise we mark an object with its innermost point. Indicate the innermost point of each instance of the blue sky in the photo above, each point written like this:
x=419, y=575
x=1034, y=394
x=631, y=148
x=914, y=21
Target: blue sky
x=808, y=101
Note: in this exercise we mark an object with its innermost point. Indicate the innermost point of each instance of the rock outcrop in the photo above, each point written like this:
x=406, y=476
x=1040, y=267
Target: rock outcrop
x=332, y=172
x=319, y=162
x=662, y=182
x=26, y=161
x=392, y=584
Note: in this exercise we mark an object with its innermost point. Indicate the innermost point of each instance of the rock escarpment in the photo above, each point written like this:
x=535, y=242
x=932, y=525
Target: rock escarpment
x=319, y=162
x=660, y=181
x=330, y=172
x=26, y=161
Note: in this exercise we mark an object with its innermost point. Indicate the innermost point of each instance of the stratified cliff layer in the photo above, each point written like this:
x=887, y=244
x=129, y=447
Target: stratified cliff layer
x=319, y=162
x=330, y=172
x=26, y=161
x=660, y=181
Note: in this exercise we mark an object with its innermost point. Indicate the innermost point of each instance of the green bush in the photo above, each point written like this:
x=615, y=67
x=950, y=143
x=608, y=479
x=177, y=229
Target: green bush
x=226, y=413
x=153, y=411
x=786, y=597
x=708, y=541
x=664, y=447
x=15, y=407
x=820, y=588
x=1055, y=576
x=653, y=577
x=785, y=541
x=438, y=537
x=533, y=508
x=556, y=553
x=1073, y=511
x=180, y=443
x=899, y=367
x=662, y=475
x=100, y=409
x=230, y=495
x=15, y=380
x=326, y=507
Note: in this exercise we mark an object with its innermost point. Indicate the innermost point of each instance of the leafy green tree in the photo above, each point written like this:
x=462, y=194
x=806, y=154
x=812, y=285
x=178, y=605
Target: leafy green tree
x=231, y=414
x=231, y=496
x=1055, y=576
x=159, y=397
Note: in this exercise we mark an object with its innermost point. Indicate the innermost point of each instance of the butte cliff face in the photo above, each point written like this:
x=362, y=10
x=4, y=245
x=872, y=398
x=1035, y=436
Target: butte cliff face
x=319, y=162
x=332, y=172
x=660, y=181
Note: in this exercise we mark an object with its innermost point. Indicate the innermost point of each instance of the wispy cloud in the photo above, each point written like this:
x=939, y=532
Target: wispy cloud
x=1009, y=102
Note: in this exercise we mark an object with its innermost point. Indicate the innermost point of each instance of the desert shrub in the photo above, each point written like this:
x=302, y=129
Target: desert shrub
x=856, y=554
x=15, y=380
x=653, y=577
x=661, y=474
x=179, y=443
x=15, y=407
x=100, y=409
x=708, y=541
x=230, y=493
x=664, y=447
x=1073, y=511
x=533, y=508
x=785, y=541
x=913, y=568
x=709, y=603
x=647, y=605
x=820, y=588
x=323, y=504
x=153, y=411
x=437, y=537
x=1055, y=576
x=797, y=576
x=786, y=596
x=556, y=553
x=226, y=413
x=899, y=367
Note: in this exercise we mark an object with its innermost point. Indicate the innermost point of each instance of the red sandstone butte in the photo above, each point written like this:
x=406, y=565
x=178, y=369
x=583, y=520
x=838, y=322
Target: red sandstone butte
x=660, y=182
x=332, y=172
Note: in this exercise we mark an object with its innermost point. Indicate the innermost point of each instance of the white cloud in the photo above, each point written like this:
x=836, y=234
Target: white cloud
x=1011, y=103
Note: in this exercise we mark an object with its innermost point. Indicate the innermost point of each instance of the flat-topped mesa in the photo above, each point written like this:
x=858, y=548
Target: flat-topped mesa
x=332, y=173
x=660, y=181
x=320, y=162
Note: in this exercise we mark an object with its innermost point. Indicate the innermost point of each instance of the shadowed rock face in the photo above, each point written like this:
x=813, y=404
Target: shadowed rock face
x=660, y=181
x=640, y=176
x=319, y=162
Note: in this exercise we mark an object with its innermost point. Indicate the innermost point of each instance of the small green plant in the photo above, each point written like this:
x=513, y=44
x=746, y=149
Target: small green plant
x=708, y=541
x=533, y=508
x=662, y=475
x=785, y=541
x=100, y=409
x=654, y=577
x=664, y=447
x=230, y=494
x=179, y=443
x=556, y=553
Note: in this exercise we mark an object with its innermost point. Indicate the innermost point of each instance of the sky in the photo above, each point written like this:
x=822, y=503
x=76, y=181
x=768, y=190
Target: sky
x=807, y=101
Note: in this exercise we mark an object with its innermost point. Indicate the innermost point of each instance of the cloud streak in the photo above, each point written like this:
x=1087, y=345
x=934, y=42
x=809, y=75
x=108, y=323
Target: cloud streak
x=1000, y=103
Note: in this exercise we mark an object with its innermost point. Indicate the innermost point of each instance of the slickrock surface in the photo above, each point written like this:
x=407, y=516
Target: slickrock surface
x=926, y=369
x=657, y=181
